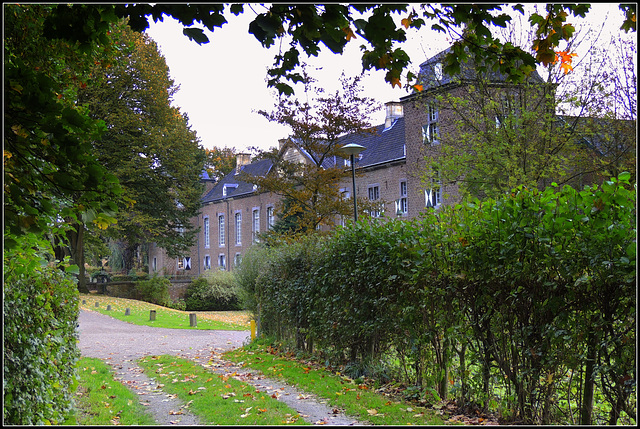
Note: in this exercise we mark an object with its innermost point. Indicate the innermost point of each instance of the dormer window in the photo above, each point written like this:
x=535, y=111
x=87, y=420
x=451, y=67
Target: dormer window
x=228, y=188
x=437, y=70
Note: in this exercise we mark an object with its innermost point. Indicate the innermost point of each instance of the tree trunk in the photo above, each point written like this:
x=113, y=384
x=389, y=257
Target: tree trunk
x=128, y=256
x=75, y=239
x=589, y=382
x=443, y=383
x=463, y=372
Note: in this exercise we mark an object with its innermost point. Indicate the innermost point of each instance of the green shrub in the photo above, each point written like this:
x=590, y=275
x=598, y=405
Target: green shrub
x=178, y=304
x=214, y=291
x=247, y=273
x=480, y=299
x=155, y=291
x=40, y=339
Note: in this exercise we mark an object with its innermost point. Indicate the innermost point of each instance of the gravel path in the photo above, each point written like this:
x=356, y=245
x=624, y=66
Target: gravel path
x=121, y=344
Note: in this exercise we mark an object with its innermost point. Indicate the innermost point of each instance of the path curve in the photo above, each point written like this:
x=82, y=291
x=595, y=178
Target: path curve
x=120, y=344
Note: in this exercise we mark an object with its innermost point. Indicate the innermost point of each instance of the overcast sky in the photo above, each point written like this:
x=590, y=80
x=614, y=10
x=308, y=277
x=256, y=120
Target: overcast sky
x=222, y=83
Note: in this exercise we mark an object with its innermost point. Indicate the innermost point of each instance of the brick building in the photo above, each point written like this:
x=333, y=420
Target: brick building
x=391, y=167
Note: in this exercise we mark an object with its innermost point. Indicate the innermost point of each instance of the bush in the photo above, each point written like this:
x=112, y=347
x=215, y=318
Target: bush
x=178, y=304
x=252, y=264
x=155, y=291
x=214, y=291
x=40, y=339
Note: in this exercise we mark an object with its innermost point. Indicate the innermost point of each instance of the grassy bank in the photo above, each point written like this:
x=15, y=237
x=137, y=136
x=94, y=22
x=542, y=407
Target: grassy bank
x=165, y=317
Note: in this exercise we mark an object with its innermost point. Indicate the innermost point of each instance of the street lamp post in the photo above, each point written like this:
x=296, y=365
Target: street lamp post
x=352, y=150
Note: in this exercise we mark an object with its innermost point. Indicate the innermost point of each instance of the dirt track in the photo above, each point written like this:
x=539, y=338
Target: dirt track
x=120, y=344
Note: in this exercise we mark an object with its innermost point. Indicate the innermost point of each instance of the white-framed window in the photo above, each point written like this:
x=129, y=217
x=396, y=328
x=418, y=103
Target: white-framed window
x=207, y=262
x=237, y=259
x=222, y=261
x=238, y=217
x=255, y=224
x=433, y=111
x=433, y=195
x=401, y=203
x=221, y=234
x=437, y=69
x=271, y=219
x=228, y=188
x=206, y=231
x=184, y=263
x=374, y=195
x=430, y=131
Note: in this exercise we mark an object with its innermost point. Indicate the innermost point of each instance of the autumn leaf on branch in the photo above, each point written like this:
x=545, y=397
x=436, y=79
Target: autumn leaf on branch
x=565, y=58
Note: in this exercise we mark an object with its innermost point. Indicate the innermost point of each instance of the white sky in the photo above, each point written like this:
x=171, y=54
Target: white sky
x=223, y=83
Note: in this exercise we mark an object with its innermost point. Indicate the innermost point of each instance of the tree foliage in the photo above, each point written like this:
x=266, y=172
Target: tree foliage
x=148, y=145
x=308, y=26
x=309, y=182
x=50, y=170
x=220, y=161
x=503, y=137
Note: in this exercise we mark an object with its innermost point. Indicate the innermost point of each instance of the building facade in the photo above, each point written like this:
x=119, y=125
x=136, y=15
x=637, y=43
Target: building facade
x=391, y=169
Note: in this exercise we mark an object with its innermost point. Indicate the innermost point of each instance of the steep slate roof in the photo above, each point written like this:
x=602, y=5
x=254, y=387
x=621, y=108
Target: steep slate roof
x=427, y=75
x=382, y=146
x=385, y=145
x=236, y=187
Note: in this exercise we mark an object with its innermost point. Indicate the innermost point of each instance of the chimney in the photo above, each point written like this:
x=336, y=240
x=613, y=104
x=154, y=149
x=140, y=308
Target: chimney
x=281, y=143
x=242, y=159
x=393, y=111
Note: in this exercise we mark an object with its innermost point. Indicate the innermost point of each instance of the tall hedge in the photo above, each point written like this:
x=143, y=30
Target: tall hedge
x=531, y=295
x=40, y=338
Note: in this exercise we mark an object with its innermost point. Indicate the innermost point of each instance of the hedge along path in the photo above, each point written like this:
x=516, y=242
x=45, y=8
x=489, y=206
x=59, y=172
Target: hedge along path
x=121, y=344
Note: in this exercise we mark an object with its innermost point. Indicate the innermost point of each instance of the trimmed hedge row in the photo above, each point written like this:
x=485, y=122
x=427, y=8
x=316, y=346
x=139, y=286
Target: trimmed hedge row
x=518, y=304
x=40, y=339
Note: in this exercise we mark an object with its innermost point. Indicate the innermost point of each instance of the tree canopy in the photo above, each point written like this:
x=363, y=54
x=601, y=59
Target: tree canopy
x=148, y=145
x=305, y=171
x=308, y=26
x=50, y=170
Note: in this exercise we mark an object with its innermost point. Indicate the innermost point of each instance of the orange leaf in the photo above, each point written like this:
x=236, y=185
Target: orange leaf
x=418, y=87
x=406, y=22
x=349, y=33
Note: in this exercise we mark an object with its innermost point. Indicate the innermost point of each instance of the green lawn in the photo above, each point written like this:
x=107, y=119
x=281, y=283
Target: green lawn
x=101, y=400
x=341, y=392
x=217, y=399
x=165, y=317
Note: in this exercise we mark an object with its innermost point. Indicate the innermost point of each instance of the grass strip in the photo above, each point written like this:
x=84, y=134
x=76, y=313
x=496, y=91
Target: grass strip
x=217, y=399
x=101, y=400
x=340, y=391
x=165, y=317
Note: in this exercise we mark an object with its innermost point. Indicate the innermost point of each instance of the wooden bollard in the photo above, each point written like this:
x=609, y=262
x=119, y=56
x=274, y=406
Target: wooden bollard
x=127, y=312
x=84, y=301
x=97, y=304
x=193, y=319
x=253, y=330
x=152, y=315
x=109, y=307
